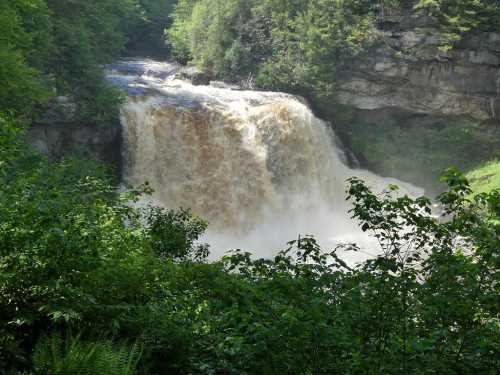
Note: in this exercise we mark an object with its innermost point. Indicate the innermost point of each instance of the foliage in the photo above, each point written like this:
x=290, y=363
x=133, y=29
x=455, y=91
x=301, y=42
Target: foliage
x=174, y=233
x=429, y=266
x=485, y=178
x=320, y=39
x=76, y=256
x=147, y=26
x=87, y=35
x=205, y=30
x=288, y=45
x=417, y=148
x=23, y=28
x=59, y=47
x=10, y=145
x=55, y=356
x=459, y=17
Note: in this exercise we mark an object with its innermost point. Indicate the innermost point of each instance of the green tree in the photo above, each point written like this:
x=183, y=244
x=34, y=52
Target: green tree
x=23, y=36
x=286, y=44
x=147, y=27
x=460, y=17
x=320, y=39
x=53, y=47
x=86, y=36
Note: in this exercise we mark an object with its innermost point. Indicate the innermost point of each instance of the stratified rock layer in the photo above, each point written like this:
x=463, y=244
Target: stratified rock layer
x=413, y=110
x=59, y=133
x=409, y=71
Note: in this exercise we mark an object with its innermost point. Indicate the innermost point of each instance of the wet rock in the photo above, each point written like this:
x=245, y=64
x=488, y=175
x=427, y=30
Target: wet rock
x=224, y=85
x=194, y=75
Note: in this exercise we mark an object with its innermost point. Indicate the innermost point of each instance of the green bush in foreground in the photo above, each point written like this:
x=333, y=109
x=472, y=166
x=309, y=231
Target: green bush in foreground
x=75, y=257
x=54, y=356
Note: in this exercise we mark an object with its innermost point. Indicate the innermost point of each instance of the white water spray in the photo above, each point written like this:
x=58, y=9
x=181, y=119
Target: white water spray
x=259, y=166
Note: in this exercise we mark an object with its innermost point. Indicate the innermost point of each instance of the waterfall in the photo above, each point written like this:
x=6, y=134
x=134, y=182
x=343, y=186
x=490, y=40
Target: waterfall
x=259, y=166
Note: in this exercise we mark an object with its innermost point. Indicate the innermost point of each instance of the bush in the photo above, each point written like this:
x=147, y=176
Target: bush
x=56, y=356
x=76, y=257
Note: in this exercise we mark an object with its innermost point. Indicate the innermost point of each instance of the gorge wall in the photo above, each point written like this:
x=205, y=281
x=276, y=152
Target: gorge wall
x=59, y=133
x=409, y=71
x=407, y=109
x=412, y=109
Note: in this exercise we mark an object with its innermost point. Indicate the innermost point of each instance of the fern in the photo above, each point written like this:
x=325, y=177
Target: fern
x=56, y=356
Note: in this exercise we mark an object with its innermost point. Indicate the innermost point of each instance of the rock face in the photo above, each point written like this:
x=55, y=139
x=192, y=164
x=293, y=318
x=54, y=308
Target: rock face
x=409, y=71
x=194, y=75
x=414, y=109
x=59, y=134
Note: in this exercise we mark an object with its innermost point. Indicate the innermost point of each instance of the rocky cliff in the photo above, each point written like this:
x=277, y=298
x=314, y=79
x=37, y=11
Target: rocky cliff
x=413, y=109
x=58, y=133
x=409, y=71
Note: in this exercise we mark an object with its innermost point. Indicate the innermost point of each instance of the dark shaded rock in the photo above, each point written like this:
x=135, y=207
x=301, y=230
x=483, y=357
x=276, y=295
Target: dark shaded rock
x=59, y=133
x=195, y=76
x=224, y=85
x=100, y=141
x=418, y=147
x=60, y=109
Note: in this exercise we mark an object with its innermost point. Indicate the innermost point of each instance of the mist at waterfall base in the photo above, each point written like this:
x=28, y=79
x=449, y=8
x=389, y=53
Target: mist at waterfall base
x=259, y=166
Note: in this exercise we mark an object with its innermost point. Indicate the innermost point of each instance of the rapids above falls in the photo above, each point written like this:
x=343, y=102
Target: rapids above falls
x=259, y=166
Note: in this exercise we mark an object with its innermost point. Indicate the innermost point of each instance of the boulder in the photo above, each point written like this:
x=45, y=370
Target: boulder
x=194, y=75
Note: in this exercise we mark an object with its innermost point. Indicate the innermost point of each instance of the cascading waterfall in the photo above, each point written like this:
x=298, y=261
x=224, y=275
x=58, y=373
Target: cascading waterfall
x=259, y=166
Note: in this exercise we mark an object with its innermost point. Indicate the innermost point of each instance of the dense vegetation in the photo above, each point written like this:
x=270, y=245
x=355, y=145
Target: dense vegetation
x=91, y=285
x=485, y=178
x=301, y=46
x=285, y=45
x=459, y=17
x=58, y=47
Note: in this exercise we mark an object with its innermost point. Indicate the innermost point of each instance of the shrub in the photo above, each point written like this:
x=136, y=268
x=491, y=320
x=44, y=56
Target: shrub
x=56, y=356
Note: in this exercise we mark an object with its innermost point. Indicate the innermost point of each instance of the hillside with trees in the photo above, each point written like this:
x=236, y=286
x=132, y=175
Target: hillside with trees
x=58, y=48
x=299, y=46
x=91, y=283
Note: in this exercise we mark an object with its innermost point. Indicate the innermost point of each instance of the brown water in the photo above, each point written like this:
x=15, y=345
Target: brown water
x=259, y=166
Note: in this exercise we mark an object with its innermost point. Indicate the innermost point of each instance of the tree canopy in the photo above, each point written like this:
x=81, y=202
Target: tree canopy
x=300, y=46
x=59, y=47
